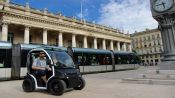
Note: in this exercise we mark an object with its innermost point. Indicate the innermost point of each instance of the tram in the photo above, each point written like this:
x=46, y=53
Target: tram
x=13, y=58
x=97, y=60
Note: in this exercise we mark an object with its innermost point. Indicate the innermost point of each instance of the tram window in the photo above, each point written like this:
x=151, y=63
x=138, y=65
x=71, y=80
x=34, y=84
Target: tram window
x=78, y=57
x=120, y=59
x=24, y=57
x=86, y=59
x=117, y=59
x=94, y=60
x=137, y=60
x=2, y=57
x=5, y=58
x=124, y=59
x=131, y=58
x=102, y=59
x=108, y=60
x=8, y=59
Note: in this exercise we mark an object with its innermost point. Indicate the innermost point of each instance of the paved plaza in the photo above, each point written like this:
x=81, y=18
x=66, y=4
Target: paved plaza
x=102, y=85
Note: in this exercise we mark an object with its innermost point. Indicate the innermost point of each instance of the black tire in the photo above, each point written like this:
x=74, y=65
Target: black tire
x=81, y=85
x=28, y=85
x=57, y=87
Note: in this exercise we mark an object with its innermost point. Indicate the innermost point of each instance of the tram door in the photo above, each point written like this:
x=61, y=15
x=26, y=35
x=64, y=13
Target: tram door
x=113, y=60
x=16, y=62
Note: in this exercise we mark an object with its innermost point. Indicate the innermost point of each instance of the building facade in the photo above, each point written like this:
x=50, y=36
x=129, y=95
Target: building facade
x=22, y=24
x=148, y=45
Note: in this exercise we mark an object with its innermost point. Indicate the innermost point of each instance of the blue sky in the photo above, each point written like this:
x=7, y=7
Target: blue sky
x=127, y=15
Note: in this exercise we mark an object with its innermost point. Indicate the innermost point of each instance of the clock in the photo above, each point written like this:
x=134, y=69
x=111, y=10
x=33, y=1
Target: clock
x=162, y=5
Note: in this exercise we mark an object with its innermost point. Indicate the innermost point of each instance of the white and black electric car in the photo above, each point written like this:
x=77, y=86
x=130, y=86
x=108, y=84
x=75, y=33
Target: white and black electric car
x=64, y=73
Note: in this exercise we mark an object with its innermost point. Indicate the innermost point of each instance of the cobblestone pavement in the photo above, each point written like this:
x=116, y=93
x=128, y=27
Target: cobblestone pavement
x=102, y=85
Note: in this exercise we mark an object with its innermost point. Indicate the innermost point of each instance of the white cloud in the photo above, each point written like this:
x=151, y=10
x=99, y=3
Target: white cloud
x=130, y=15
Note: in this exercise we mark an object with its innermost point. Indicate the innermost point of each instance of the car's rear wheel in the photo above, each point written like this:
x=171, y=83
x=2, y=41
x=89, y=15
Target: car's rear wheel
x=81, y=85
x=57, y=87
x=28, y=85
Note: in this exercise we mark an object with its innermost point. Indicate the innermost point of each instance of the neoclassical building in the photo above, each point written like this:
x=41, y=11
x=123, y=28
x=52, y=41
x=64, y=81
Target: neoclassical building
x=148, y=45
x=23, y=24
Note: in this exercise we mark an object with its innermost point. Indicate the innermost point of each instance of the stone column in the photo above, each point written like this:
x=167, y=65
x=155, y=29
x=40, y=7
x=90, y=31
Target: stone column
x=124, y=46
x=60, y=37
x=4, y=32
x=104, y=44
x=26, y=35
x=45, y=36
x=153, y=59
x=130, y=47
x=112, y=45
x=95, y=43
x=73, y=40
x=85, y=41
x=167, y=29
x=118, y=46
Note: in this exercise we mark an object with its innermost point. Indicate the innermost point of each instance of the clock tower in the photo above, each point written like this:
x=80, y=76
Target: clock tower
x=163, y=11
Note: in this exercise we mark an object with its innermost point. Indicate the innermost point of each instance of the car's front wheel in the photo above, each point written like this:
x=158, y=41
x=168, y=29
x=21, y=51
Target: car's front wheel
x=81, y=85
x=28, y=85
x=57, y=87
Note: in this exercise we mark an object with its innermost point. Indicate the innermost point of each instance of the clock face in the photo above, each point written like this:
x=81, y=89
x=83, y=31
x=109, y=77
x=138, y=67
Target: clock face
x=162, y=5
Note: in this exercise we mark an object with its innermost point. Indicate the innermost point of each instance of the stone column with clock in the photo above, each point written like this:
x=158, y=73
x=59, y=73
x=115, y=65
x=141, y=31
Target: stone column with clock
x=163, y=11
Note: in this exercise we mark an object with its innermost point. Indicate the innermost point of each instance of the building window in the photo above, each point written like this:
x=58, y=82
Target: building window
x=155, y=56
x=158, y=36
x=69, y=43
x=155, y=49
x=154, y=43
x=150, y=44
x=10, y=37
x=80, y=44
x=56, y=41
x=158, y=42
x=149, y=38
x=160, y=50
x=153, y=37
x=90, y=45
x=98, y=45
x=30, y=39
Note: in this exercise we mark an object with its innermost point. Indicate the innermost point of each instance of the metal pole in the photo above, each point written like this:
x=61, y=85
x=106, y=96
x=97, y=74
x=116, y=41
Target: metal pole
x=81, y=10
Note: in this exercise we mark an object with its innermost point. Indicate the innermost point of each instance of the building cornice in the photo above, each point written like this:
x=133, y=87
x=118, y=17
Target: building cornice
x=60, y=20
x=145, y=32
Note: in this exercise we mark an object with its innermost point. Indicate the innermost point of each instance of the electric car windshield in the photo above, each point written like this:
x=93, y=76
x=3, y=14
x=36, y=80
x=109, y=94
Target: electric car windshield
x=61, y=59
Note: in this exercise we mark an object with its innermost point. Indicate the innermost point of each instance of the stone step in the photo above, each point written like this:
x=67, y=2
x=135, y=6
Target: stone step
x=156, y=71
x=148, y=81
x=158, y=76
